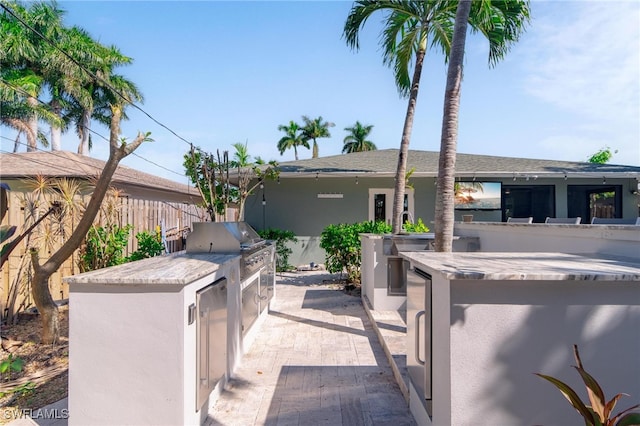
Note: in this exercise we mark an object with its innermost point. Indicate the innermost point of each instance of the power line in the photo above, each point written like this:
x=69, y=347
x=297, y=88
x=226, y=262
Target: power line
x=19, y=89
x=90, y=73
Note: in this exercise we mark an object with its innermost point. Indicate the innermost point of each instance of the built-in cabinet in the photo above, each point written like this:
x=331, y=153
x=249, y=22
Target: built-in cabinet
x=480, y=324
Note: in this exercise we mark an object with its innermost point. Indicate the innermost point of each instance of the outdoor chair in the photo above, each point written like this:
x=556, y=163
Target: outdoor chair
x=520, y=220
x=615, y=221
x=568, y=220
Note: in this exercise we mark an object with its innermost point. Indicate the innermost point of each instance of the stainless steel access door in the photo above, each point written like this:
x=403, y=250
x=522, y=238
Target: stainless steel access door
x=419, y=320
x=211, y=338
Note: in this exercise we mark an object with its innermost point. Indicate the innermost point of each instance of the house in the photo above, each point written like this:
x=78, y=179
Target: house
x=311, y=194
x=145, y=201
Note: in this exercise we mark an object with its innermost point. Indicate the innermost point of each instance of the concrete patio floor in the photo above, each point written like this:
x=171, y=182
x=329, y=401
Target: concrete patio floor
x=317, y=360
x=320, y=358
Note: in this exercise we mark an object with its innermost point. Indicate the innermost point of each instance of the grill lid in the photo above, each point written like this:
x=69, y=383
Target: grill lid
x=222, y=237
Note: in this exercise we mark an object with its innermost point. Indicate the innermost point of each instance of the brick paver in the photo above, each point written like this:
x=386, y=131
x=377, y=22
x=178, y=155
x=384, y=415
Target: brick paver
x=315, y=361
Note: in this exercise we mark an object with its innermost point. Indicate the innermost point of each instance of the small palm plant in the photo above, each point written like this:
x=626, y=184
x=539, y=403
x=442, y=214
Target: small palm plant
x=600, y=412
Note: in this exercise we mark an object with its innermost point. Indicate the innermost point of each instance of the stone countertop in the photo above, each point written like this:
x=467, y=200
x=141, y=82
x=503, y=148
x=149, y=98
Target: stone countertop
x=526, y=266
x=178, y=268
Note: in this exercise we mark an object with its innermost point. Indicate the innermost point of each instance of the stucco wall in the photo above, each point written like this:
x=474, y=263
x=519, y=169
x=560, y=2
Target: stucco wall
x=537, y=237
x=504, y=331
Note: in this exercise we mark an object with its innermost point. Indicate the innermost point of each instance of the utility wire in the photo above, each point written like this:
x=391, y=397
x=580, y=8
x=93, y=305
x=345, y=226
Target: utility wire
x=24, y=92
x=93, y=75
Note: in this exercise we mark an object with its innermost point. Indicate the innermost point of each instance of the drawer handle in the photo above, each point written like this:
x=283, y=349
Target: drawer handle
x=417, y=338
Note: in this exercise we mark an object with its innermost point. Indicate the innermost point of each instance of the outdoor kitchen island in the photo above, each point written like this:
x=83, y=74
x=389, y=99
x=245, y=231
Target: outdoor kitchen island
x=154, y=341
x=480, y=324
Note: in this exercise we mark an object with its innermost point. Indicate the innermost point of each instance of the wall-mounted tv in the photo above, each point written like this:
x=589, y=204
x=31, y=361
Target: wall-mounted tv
x=477, y=195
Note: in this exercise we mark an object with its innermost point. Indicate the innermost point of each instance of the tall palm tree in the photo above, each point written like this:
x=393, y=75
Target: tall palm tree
x=410, y=26
x=90, y=97
x=356, y=140
x=293, y=138
x=314, y=129
x=25, y=57
x=501, y=22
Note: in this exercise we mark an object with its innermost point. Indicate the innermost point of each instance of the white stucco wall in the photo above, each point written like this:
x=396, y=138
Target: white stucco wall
x=501, y=332
x=132, y=356
x=537, y=237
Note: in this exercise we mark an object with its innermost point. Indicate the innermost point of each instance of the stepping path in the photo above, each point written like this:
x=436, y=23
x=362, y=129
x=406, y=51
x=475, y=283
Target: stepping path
x=315, y=361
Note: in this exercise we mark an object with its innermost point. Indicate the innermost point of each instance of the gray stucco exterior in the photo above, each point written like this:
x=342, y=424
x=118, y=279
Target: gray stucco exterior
x=312, y=194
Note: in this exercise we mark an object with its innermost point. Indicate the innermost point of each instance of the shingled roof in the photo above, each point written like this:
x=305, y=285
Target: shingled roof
x=71, y=165
x=383, y=163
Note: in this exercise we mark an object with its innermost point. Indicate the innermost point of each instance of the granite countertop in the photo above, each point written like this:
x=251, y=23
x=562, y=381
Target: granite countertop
x=179, y=268
x=526, y=266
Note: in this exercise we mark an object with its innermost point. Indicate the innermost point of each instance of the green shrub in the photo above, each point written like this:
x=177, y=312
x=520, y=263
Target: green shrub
x=343, y=248
x=149, y=245
x=104, y=246
x=419, y=226
x=281, y=237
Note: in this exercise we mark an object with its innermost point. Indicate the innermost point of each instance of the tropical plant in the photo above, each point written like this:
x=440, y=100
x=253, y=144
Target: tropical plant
x=343, y=247
x=600, y=412
x=409, y=27
x=211, y=177
x=32, y=42
x=356, y=140
x=293, y=138
x=281, y=238
x=149, y=245
x=501, y=22
x=314, y=129
x=104, y=246
x=25, y=62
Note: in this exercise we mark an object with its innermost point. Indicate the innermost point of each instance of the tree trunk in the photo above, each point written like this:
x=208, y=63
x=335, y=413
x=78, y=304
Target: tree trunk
x=315, y=149
x=401, y=171
x=85, y=125
x=40, y=284
x=47, y=308
x=32, y=142
x=56, y=131
x=444, y=217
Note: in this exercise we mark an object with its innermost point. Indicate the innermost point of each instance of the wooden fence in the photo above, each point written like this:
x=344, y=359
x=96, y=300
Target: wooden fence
x=174, y=220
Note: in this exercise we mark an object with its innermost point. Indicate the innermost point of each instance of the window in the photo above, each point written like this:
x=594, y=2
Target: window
x=381, y=204
x=537, y=201
x=589, y=201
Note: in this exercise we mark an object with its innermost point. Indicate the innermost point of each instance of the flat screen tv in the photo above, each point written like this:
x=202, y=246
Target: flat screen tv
x=477, y=195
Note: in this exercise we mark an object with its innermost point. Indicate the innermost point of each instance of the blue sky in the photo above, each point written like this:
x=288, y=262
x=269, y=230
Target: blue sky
x=217, y=73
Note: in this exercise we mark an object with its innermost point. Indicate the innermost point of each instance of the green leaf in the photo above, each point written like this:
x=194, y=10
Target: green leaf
x=595, y=393
x=571, y=396
x=17, y=364
x=629, y=419
x=7, y=232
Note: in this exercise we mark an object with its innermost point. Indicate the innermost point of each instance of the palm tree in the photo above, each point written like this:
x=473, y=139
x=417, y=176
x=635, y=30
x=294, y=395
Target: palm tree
x=314, y=129
x=91, y=96
x=292, y=139
x=501, y=22
x=410, y=26
x=25, y=58
x=356, y=140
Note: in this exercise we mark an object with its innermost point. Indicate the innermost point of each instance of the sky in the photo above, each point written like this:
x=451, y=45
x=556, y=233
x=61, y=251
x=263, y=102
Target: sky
x=217, y=73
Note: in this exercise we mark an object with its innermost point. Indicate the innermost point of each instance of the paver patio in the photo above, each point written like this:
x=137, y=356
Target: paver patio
x=315, y=361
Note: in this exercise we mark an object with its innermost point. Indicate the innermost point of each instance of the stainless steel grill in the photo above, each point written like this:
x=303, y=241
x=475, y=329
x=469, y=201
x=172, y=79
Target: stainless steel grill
x=231, y=238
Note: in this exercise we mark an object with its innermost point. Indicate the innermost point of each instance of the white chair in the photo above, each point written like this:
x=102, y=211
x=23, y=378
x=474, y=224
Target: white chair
x=568, y=220
x=520, y=220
